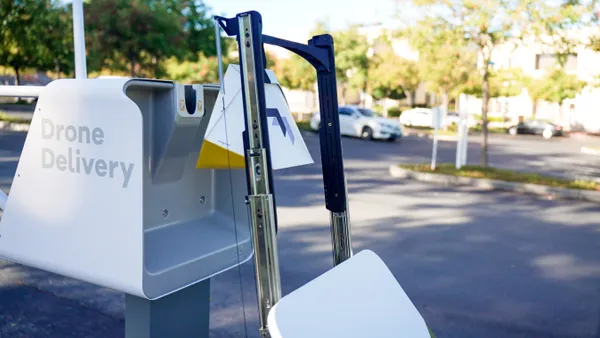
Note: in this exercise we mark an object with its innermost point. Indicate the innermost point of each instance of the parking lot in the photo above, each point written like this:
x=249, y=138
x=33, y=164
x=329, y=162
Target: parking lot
x=476, y=263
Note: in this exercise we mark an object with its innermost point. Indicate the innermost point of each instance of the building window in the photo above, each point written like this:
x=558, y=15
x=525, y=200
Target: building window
x=549, y=61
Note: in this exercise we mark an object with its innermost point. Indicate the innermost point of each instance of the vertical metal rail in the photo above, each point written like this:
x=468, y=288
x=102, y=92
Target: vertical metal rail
x=79, y=40
x=258, y=166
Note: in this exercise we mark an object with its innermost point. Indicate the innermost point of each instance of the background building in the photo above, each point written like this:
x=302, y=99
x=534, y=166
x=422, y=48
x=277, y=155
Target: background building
x=581, y=113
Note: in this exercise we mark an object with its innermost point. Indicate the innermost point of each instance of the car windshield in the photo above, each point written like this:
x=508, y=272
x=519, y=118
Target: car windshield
x=368, y=113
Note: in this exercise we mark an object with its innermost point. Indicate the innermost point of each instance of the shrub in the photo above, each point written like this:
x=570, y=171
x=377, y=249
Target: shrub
x=490, y=118
x=377, y=108
x=394, y=112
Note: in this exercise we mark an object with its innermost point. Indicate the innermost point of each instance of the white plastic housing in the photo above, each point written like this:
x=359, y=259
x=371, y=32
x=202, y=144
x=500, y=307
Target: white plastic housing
x=107, y=191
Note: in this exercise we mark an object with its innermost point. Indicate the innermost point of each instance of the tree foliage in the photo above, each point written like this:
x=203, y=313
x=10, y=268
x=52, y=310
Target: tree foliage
x=392, y=76
x=132, y=35
x=387, y=75
x=445, y=59
x=296, y=73
x=57, y=41
x=24, y=42
x=503, y=82
x=557, y=86
x=204, y=69
x=199, y=30
x=351, y=59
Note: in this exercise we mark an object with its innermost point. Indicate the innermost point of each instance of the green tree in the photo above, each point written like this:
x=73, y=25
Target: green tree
x=21, y=34
x=202, y=70
x=386, y=76
x=133, y=35
x=445, y=60
x=503, y=82
x=535, y=92
x=557, y=86
x=296, y=73
x=351, y=60
x=393, y=75
x=199, y=30
x=57, y=41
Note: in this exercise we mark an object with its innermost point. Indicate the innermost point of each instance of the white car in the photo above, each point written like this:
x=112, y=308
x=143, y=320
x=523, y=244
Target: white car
x=364, y=123
x=419, y=117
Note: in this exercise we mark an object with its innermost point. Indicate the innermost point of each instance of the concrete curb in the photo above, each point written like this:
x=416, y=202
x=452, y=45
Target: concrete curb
x=590, y=151
x=14, y=126
x=524, y=188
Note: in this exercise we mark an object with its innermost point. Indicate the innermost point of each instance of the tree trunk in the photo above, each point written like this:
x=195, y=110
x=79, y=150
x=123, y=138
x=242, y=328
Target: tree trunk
x=155, y=64
x=363, y=95
x=58, y=69
x=410, y=97
x=534, y=108
x=484, y=117
x=17, y=81
x=343, y=98
x=132, y=65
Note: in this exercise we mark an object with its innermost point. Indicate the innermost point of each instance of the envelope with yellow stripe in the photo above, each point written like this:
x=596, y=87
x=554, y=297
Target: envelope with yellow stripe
x=223, y=145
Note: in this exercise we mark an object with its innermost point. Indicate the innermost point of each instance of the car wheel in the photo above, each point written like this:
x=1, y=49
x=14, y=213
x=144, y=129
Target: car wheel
x=547, y=134
x=512, y=131
x=367, y=133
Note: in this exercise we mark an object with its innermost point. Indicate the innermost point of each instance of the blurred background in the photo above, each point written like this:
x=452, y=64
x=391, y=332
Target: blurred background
x=518, y=59
x=476, y=262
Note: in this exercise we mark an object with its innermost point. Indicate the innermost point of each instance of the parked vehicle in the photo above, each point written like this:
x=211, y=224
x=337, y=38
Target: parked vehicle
x=536, y=127
x=364, y=123
x=419, y=117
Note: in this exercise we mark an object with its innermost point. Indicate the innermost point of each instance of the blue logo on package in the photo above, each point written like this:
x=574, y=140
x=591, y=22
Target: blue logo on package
x=282, y=122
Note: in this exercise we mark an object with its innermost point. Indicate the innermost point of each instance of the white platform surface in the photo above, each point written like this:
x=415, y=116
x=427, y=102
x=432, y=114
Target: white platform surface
x=359, y=298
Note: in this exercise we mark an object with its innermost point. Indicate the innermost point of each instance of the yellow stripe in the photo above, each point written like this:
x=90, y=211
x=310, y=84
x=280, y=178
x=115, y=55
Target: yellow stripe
x=216, y=157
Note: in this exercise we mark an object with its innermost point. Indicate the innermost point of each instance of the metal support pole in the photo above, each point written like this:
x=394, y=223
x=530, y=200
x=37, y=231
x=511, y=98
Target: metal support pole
x=258, y=165
x=79, y=40
x=435, y=149
x=183, y=314
x=465, y=140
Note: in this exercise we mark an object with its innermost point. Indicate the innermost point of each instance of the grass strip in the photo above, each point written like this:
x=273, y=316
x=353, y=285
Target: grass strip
x=13, y=119
x=473, y=171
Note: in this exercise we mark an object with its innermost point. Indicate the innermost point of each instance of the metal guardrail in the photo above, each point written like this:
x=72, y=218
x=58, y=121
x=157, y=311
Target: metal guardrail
x=21, y=91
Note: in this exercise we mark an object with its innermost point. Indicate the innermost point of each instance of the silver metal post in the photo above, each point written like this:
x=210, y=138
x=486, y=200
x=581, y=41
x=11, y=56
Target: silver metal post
x=79, y=40
x=260, y=199
x=341, y=238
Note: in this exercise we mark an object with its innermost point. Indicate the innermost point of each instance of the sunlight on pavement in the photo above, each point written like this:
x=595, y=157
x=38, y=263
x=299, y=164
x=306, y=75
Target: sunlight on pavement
x=566, y=267
x=9, y=159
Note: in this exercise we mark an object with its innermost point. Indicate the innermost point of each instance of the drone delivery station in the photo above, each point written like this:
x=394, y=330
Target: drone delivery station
x=152, y=187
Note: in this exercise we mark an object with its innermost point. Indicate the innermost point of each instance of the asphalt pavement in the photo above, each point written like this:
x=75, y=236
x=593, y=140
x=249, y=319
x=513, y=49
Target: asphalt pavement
x=475, y=263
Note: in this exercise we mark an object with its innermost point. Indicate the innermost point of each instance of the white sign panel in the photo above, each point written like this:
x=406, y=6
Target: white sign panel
x=436, y=118
x=224, y=144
